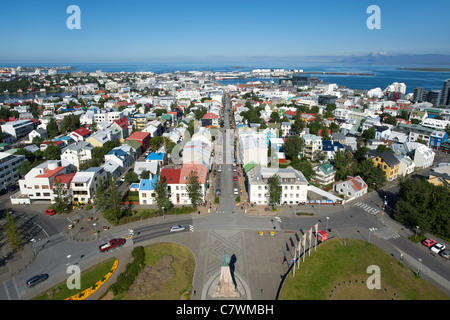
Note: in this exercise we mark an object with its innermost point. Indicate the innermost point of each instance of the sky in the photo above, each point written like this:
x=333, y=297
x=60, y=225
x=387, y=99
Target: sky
x=166, y=30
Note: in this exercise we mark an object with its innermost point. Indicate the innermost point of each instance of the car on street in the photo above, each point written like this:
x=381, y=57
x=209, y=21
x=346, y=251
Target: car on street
x=235, y=191
x=36, y=280
x=50, y=212
x=177, y=228
x=445, y=254
x=429, y=242
x=218, y=192
x=112, y=244
x=438, y=247
x=235, y=178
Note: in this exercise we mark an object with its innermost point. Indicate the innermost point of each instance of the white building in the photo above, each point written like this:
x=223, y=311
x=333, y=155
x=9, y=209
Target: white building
x=352, y=188
x=253, y=148
x=293, y=184
x=8, y=169
x=37, y=183
x=19, y=128
x=77, y=152
x=423, y=157
x=84, y=184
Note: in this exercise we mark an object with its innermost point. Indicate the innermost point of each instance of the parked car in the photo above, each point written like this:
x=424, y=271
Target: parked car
x=236, y=191
x=445, y=254
x=177, y=228
x=50, y=212
x=36, y=280
x=429, y=242
x=438, y=247
x=218, y=192
x=235, y=178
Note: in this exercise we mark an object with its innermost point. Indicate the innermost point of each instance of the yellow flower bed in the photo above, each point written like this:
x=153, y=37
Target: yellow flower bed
x=86, y=293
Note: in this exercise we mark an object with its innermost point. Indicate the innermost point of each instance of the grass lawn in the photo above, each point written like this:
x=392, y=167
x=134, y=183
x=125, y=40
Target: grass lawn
x=88, y=279
x=330, y=270
x=180, y=285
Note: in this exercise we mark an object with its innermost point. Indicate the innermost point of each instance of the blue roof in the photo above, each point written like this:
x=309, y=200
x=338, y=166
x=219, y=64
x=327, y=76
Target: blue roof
x=328, y=145
x=156, y=156
x=147, y=184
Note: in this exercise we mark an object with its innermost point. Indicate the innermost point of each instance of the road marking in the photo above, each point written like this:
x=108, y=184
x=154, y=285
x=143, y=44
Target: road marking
x=191, y=228
x=278, y=219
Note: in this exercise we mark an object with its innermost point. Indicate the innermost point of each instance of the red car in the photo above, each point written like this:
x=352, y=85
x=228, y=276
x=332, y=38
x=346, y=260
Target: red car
x=235, y=178
x=50, y=212
x=428, y=242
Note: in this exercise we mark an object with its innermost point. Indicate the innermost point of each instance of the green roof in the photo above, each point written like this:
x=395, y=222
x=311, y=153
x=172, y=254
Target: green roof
x=249, y=166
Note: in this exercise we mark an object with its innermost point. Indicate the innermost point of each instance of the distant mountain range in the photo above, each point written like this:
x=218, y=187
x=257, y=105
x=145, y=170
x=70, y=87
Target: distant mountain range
x=397, y=59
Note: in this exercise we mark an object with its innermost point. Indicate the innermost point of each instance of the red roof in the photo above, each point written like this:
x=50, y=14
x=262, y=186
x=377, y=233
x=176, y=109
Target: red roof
x=138, y=135
x=48, y=173
x=82, y=131
x=171, y=175
x=357, y=183
x=64, y=178
x=210, y=115
x=290, y=113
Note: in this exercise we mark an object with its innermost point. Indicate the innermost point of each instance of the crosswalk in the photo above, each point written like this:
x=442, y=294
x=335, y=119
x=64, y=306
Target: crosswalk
x=278, y=219
x=367, y=208
x=191, y=228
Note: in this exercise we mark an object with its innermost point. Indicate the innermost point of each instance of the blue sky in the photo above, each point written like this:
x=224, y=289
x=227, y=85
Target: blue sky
x=141, y=31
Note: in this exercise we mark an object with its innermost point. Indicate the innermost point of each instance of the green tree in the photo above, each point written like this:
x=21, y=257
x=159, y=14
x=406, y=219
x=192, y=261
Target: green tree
x=52, y=152
x=114, y=209
x=293, y=146
x=131, y=177
x=275, y=190
x=343, y=163
x=145, y=174
x=61, y=196
x=194, y=189
x=52, y=129
x=369, y=134
x=12, y=230
x=304, y=167
x=161, y=194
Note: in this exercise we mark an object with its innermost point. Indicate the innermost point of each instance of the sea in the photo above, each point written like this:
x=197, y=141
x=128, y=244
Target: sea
x=382, y=76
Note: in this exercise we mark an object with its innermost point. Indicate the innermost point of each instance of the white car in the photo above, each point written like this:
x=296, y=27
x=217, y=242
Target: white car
x=437, y=248
x=177, y=228
x=235, y=192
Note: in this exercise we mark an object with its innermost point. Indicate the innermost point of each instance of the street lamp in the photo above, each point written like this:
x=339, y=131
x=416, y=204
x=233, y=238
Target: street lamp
x=163, y=213
x=370, y=232
x=328, y=218
x=418, y=267
x=417, y=229
x=68, y=257
x=32, y=243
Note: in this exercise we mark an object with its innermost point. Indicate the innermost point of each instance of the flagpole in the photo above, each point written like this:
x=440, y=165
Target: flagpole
x=309, y=248
x=316, y=229
x=299, y=248
x=304, y=246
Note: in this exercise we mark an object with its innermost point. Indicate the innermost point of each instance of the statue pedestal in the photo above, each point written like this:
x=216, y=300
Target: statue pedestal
x=226, y=287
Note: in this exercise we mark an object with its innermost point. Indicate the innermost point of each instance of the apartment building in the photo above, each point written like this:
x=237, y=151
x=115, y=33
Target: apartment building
x=9, y=165
x=293, y=184
x=78, y=152
x=387, y=162
x=253, y=148
x=18, y=128
x=37, y=183
x=84, y=184
x=311, y=144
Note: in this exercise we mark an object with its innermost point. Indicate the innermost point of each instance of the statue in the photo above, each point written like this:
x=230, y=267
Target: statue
x=226, y=287
x=225, y=259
